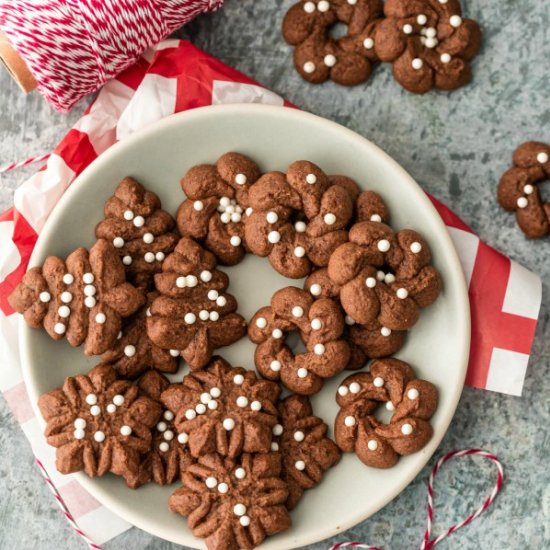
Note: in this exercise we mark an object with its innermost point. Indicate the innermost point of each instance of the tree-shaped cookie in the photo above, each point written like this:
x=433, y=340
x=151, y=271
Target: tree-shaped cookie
x=194, y=314
x=83, y=298
x=133, y=352
x=139, y=229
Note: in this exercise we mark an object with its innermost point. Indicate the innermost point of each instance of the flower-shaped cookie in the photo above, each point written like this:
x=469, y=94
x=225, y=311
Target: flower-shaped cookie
x=139, y=229
x=99, y=424
x=384, y=276
x=83, y=298
x=318, y=57
x=224, y=409
x=298, y=219
x=413, y=402
x=233, y=504
x=133, y=352
x=307, y=452
x=194, y=314
x=428, y=42
x=216, y=204
x=321, y=326
x=519, y=193
x=169, y=456
x=371, y=340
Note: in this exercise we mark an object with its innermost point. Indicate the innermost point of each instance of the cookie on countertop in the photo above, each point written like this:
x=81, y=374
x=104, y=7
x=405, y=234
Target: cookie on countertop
x=233, y=503
x=169, y=456
x=518, y=188
x=99, y=424
x=413, y=402
x=299, y=218
x=139, y=229
x=347, y=60
x=216, y=205
x=307, y=452
x=193, y=314
x=321, y=325
x=224, y=409
x=83, y=298
x=428, y=42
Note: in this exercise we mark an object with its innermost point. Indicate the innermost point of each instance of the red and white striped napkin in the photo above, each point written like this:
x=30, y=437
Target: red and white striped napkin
x=504, y=297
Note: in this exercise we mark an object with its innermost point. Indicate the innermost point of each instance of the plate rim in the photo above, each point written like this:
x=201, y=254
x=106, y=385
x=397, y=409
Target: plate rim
x=463, y=313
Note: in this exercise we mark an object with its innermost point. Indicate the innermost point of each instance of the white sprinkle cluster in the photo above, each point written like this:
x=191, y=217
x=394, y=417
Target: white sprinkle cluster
x=229, y=210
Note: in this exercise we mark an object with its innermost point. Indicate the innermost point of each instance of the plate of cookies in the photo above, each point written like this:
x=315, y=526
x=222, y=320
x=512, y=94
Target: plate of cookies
x=232, y=347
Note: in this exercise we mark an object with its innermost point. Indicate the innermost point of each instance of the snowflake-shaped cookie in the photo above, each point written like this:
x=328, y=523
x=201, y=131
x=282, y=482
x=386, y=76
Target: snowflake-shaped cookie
x=99, y=424
x=233, y=504
x=307, y=452
x=224, y=409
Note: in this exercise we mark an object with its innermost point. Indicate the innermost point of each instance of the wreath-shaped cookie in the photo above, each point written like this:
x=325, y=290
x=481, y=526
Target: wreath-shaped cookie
x=518, y=190
x=393, y=383
x=319, y=57
x=299, y=219
x=216, y=205
x=428, y=42
x=224, y=410
x=233, y=503
x=384, y=276
x=193, y=314
x=99, y=424
x=321, y=326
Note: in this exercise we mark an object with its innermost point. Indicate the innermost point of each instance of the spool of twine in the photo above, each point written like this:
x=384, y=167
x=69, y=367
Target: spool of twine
x=70, y=48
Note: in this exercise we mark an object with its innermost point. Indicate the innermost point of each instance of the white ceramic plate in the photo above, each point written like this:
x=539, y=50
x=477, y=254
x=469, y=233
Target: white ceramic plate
x=158, y=156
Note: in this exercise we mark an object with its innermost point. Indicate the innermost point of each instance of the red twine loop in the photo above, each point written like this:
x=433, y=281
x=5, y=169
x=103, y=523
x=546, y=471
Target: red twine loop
x=427, y=544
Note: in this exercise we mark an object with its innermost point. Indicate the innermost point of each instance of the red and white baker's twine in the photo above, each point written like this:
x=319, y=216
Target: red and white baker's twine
x=64, y=509
x=72, y=47
x=16, y=165
x=427, y=544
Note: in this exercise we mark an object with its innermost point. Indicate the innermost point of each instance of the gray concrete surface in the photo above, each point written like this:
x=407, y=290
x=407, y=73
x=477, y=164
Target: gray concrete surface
x=456, y=145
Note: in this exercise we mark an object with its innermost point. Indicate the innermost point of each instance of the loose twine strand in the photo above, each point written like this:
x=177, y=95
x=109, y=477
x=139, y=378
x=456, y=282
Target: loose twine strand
x=72, y=47
x=21, y=164
x=427, y=543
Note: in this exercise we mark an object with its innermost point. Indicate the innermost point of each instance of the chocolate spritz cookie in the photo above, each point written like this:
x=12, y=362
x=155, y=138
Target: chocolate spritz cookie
x=216, y=204
x=318, y=57
x=169, y=456
x=391, y=383
x=224, y=409
x=233, y=503
x=99, y=424
x=299, y=218
x=193, y=314
x=83, y=298
x=320, y=324
x=139, y=229
x=518, y=188
x=370, y=340
x=307, y=453
x=133, y=352
x=428, y=42
x=384, y=277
